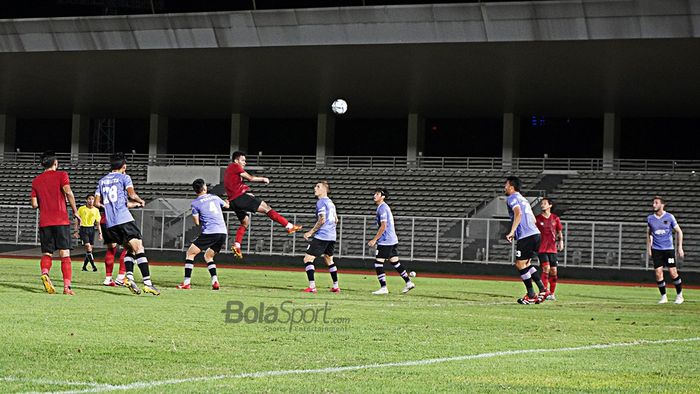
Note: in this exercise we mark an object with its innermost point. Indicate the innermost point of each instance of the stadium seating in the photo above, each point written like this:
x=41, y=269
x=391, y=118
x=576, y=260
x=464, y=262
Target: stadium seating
x=423, y=200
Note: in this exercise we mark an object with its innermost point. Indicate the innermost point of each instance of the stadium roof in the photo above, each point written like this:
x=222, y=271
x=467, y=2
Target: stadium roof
x=556, y=58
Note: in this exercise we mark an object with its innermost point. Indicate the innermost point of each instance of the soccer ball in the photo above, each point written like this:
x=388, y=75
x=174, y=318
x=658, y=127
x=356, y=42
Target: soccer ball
x=412, y=274
x=339, y=106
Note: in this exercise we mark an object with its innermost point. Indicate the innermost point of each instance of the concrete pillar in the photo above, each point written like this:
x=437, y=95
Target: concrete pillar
x=325, y=138
x=511, y=139
x=8, y=133
x=416, y=138
x=157, y=135
x=611, y=139
x=80, y=135
x=239, y=132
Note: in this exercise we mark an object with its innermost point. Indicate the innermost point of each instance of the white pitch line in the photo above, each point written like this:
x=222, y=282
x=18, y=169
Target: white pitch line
x=143, y=385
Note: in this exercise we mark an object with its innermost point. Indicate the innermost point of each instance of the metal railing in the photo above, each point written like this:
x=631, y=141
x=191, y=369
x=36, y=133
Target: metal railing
x=612, y=245
x=466, y=163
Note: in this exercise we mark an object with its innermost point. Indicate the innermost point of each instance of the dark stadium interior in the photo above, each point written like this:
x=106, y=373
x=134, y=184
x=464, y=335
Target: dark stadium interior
x=64, y=8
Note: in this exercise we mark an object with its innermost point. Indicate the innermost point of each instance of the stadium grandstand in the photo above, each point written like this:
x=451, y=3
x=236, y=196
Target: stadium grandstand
x=438, y=109
x=455, y=98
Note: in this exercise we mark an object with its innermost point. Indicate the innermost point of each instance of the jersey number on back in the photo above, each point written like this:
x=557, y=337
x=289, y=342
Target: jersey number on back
x=110, y=194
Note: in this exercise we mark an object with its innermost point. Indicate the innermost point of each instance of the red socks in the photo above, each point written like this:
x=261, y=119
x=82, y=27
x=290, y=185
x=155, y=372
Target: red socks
x=545, y=279
x=67, y=271
x=109, y=261
x=122, y=267
x=272, y=214
x=239, y=234
x=45, y=264
x=552, y=283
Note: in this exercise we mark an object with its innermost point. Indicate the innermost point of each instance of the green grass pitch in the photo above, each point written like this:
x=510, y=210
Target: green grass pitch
x=447, y=335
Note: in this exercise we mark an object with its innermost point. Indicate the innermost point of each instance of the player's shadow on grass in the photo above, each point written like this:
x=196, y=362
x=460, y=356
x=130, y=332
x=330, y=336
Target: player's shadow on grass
x=125, y=291
x=27, y=288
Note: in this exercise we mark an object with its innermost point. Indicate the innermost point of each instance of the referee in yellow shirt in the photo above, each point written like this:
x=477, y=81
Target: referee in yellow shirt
x=89, y=219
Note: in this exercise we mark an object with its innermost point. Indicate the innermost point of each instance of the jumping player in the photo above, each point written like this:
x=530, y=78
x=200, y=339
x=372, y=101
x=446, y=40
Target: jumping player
x=527, y=237
x=324, y=237
x=89, y=219
x=552, y=240
x=50, y=189
x=660, y=248
x=113, y=192
x=243, y=202
x=386, y=241
x=206, y=212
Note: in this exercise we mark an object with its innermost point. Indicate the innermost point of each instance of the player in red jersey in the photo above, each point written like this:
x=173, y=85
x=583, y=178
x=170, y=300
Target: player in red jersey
x=242, y=201
x=552, y=241
x=49, y=192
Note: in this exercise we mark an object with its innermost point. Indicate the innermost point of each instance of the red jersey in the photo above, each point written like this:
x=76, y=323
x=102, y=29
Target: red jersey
x=549, y=228
x=233, y=183
x=48, y=190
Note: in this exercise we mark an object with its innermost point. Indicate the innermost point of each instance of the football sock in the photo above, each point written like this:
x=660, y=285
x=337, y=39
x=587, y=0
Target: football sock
x=662, y=286
x=536, y=278
x=545, y=278
x=129, y=264
x=310, y=270
x=334, y=274
x=677, y=283
x=45, y=264
x=142, y=262
x=212, y=271
x=553, y=283
x=527, y=280
x=272, y=214
x=189, y=265
x=401, y=271
x=122, y=266
x=239, y=235
x=109, y=261
x=381, y=276
x=67, y=271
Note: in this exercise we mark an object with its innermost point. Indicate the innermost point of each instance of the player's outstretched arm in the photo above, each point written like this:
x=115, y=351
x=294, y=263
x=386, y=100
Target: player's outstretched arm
x=135, y=197
x=251, y=178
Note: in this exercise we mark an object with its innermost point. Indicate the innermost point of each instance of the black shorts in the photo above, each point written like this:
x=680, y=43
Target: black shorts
x=55, y=238
x=210, y=241
x=245, y=203
x=123, y=233
x=318, y=247
x=106, y=235
x=550, y=258
x=663, y=258
x=387, y=251
x=87, y=235
x=526, y=248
